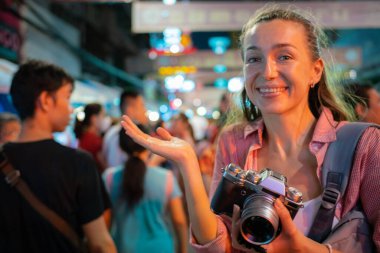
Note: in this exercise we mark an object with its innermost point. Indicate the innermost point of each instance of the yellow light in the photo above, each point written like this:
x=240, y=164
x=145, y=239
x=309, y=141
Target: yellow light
x=172, y=70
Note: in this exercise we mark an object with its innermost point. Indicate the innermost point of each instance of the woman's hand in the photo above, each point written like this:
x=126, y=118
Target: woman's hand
x=290, y=239
x=167, y=146
x=203, y=220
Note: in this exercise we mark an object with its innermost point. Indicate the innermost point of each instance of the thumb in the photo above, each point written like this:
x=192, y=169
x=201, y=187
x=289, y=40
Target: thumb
x=285, y=218
x=164, y=134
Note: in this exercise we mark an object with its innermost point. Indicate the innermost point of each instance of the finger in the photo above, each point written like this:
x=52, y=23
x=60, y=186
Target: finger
x=164, y=134
x=283, y=213
x=134, y=132
x=125, y=118
x=236, y=213
x=234, y=228
x=129, y=126
x=235, y=222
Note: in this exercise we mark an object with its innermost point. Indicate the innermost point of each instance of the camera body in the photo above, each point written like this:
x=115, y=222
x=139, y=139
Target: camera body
x=255, y=193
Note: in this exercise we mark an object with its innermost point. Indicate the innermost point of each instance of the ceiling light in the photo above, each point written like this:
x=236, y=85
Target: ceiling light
x=169, y=2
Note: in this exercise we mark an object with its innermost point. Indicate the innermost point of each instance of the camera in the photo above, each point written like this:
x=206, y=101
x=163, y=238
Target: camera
x=255, y=193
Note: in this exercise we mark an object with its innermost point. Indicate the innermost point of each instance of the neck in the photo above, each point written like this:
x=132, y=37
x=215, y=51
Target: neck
x=287, y=134
x=34, y=130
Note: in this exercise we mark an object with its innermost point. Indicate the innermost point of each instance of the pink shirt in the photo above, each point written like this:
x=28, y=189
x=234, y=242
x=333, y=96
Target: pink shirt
x=243, y=140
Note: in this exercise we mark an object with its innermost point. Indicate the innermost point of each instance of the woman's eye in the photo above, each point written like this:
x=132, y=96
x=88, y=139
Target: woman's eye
x=284, y=58
x=253, y=59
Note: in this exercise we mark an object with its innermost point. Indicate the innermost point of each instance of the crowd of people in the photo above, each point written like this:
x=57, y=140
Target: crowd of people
x=135, y=187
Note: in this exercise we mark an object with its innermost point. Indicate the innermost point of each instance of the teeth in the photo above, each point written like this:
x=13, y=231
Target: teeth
x=271, y=90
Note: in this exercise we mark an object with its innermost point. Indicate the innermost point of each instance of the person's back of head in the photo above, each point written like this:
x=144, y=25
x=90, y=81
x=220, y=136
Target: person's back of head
x=10, y=127
x=132, y=104
x=365, y=100
x=33, y=78
x=134, y=169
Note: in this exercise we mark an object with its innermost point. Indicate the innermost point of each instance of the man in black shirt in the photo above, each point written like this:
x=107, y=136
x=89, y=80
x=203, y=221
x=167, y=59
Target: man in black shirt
x=62, y=178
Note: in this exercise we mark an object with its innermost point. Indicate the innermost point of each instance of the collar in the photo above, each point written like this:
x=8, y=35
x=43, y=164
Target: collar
x=325, y=129
x=253, y=127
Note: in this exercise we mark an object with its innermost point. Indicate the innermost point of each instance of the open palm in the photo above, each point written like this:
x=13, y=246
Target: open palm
x=172, y=148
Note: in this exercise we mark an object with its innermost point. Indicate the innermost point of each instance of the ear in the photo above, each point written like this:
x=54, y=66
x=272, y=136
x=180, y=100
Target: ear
x=317, y=71
x=44, y=101
x=361, y=110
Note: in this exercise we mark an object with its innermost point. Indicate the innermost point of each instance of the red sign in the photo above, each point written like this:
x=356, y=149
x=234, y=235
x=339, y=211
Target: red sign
x=10, y=36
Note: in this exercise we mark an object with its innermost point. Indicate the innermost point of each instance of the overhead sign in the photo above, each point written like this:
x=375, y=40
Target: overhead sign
x=148, y=17
x=202, y=59
x=10, y=34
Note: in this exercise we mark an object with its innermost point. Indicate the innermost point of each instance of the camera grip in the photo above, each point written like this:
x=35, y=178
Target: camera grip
x=226, y=195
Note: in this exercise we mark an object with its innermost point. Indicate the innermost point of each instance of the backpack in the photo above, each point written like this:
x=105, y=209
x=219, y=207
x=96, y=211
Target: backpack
x=352, y=233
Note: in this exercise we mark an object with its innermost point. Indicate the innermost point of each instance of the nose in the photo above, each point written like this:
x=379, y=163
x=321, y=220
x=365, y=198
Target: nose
x=270, y=69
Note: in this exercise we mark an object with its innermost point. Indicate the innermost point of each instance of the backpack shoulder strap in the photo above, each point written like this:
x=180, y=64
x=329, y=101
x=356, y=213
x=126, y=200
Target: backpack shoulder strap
x=341, y=153
x=336, y=170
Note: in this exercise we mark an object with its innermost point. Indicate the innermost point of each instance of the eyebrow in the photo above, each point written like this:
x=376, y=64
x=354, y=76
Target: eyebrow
x=276, y=46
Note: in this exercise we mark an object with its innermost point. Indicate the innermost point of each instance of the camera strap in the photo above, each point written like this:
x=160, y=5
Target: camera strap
x=13, y=178
x=336, y=170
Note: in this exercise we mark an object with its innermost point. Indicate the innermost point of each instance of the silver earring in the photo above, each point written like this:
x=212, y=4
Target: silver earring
x=312, y=85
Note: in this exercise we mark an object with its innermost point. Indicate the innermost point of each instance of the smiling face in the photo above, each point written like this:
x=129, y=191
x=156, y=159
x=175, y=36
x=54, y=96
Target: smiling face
x=278, y=66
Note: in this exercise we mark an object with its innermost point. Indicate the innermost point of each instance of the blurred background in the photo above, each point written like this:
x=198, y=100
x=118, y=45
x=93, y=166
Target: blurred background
x=182, y=55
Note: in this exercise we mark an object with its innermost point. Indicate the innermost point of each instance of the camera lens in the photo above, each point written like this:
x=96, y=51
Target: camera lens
x=259, y=219
x=258, y=229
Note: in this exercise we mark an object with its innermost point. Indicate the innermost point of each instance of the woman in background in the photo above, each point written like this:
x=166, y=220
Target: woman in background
x=89, y=131
x=143, y=198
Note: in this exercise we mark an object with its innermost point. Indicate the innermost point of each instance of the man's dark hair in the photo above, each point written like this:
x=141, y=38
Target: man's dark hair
x=360, y=92
x=31, y=79
x=124, y=98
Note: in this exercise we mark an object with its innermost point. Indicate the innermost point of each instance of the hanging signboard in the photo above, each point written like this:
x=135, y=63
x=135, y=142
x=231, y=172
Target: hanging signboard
x=148, y=17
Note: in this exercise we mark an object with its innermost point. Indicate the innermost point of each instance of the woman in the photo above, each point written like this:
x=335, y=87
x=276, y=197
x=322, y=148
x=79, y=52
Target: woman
x=292, y=114
x=142, y=198
x=89, y=131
